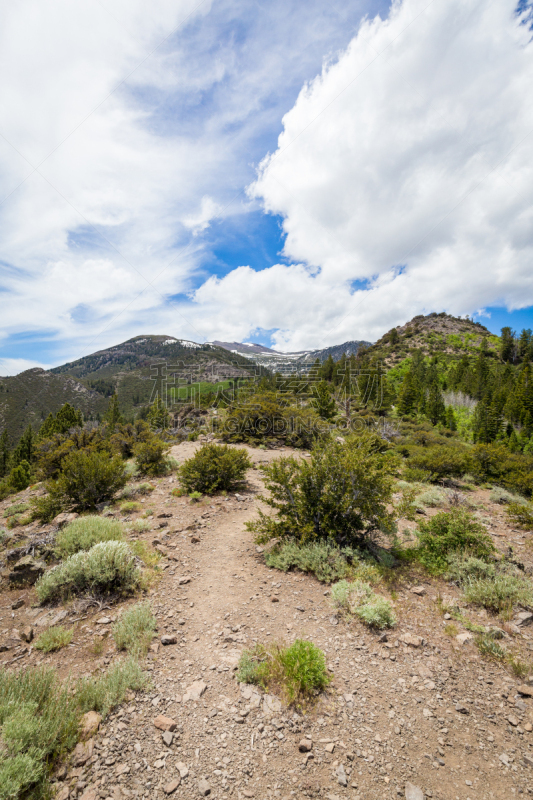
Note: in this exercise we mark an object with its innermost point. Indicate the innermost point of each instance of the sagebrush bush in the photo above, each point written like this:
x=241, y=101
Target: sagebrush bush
x=16, y=508
x=462, y=568
x=145, y=488
x=134, y=629
x=140, y=526
x=54, y=639
x=84, y=532
x=107, y=567
x=151, y=457
x=269, y=416
x=500, y=592
x=358, y=598
x=521, y=515
x=325, y=560
x=502, y=496
x=130, y=507
x=298, y=672
x=449, y=532
x=440, y=461
x=433, y=498
x=214, y=468
x=343, y=493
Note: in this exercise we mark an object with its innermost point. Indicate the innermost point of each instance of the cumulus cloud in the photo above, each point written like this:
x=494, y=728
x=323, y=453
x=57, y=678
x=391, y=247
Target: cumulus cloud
x=404, y=178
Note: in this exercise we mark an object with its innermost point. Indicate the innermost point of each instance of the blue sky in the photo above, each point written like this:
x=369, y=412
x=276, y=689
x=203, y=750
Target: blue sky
x=258, y=171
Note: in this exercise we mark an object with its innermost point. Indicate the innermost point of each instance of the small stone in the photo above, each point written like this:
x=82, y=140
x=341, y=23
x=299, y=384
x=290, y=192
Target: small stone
x=413, y=792
x=172, y=786
x=203, y=787
x=528, y=727
x=169, y=640
x=194, y=691
x=274, y=599
x=504, y=758
x=305, y=745
x=168, y=738
x=461, y=709
x=411, y=640
x=512, y=720
x=165, y=723
x=524, y=618
x=194, y=539
x=64, y=518
x=182, y=769
x=464, y=637
x=419, y=590
x=183, y=580
x=17, y=604
x=103, y=621
x=89, y=724
x=341, y=775
x=26, y=570
x=90, y=794
x=330, y=747
x=27, y=634
x=527, y=761
x=82, y=753
x=526, y=690
x=64, y=794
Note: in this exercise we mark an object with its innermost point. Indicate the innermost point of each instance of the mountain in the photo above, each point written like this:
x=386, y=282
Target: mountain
x=130, y=368
x=299, y=361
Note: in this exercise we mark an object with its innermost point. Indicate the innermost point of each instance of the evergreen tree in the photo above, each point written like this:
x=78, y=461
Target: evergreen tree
x=408, y=397
x=24, y=451
x=487, y=421
x=158, y=416
x=323, y=401
x=435, y=408
x=113, y=415
x=68, y=417
x=507, y=346
x=4, y=454
x=451, y=421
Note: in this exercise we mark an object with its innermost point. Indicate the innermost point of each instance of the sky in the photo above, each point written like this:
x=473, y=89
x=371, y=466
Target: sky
x=294, y=173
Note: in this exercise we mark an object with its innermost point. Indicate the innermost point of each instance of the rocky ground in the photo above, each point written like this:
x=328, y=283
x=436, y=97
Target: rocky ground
x=416, y=713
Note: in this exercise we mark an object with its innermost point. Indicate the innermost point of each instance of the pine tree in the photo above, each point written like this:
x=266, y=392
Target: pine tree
x=4, y=454
x=68, y=417
x=408, y=397
x=451, y=421
x=435, y=408
x=158, y=416
x=507, y=346
x=24, y=451
x=323, y=401
x=113, y=415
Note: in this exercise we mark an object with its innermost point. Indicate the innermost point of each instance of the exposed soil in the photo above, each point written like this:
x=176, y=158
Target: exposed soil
x=433, y=713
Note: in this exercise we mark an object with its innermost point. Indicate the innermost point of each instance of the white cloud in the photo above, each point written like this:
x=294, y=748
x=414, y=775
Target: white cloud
x=414, y=152
x=12, y=366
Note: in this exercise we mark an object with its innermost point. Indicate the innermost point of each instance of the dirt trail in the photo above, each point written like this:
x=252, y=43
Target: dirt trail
x=413, y=707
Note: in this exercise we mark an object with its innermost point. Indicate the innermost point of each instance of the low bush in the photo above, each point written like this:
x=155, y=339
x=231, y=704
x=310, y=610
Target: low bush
x=433, y=498
x=502, y=496
x=130, y=507
x=145, y=488
x=16, y=508
x=214, y=468
x=463, y=568
x=440, y=461
x=358, y=598
x=107, y=568
x=298, y=672
x=88, y=478
x=48, y=506
x=140, y=526
x=342, y=494
x=449, y=532
x=195, y=497
x=521, y=515
x=269, y=417
x=413, y=475
x=500, y=593
x=326, y=561
x=54, y=639
x=134, y=629
x=488, y=646
x=40, y=717
x=84, y=533
x=151, y=457
x=20, y=477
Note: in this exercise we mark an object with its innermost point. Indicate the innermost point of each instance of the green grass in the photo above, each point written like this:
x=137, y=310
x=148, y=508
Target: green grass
x=297, y=672
x=145, y=488
x=54, y=639
x=359, y=599
x=326, y=561
x=134, y=629
x=85, y=532
x=40, y=716
x=108, y=567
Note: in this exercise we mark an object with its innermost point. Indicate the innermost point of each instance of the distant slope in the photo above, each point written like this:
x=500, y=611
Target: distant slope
x=30, y=396
x=290, y=362
x=336, y=351
x=127, y=368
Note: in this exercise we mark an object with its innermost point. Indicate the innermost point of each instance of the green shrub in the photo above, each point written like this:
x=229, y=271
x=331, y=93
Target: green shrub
x=269, y=416
x=16, y=508
x=432, y=497
x=359, y=599
x=84, y=533
x=449, y=532
x=20, y=477
x=107, y=567
x=89, y=478
x=151, y=457
x=442, y=461
x=326, y=561
x=214, y=468
x=54, y=639
x=501, y=592
x=177, y=492
x=40, y=717
x=195, y=497
x=502, y=496
x=343, y=493
x=488, y=646
x=134, y=629
x=48, y=506
x=413, y=475
x=145, y=488
x=130, y=507
x=463, y=568
x=520, y=515
x=141, y=526
x=298, y=672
